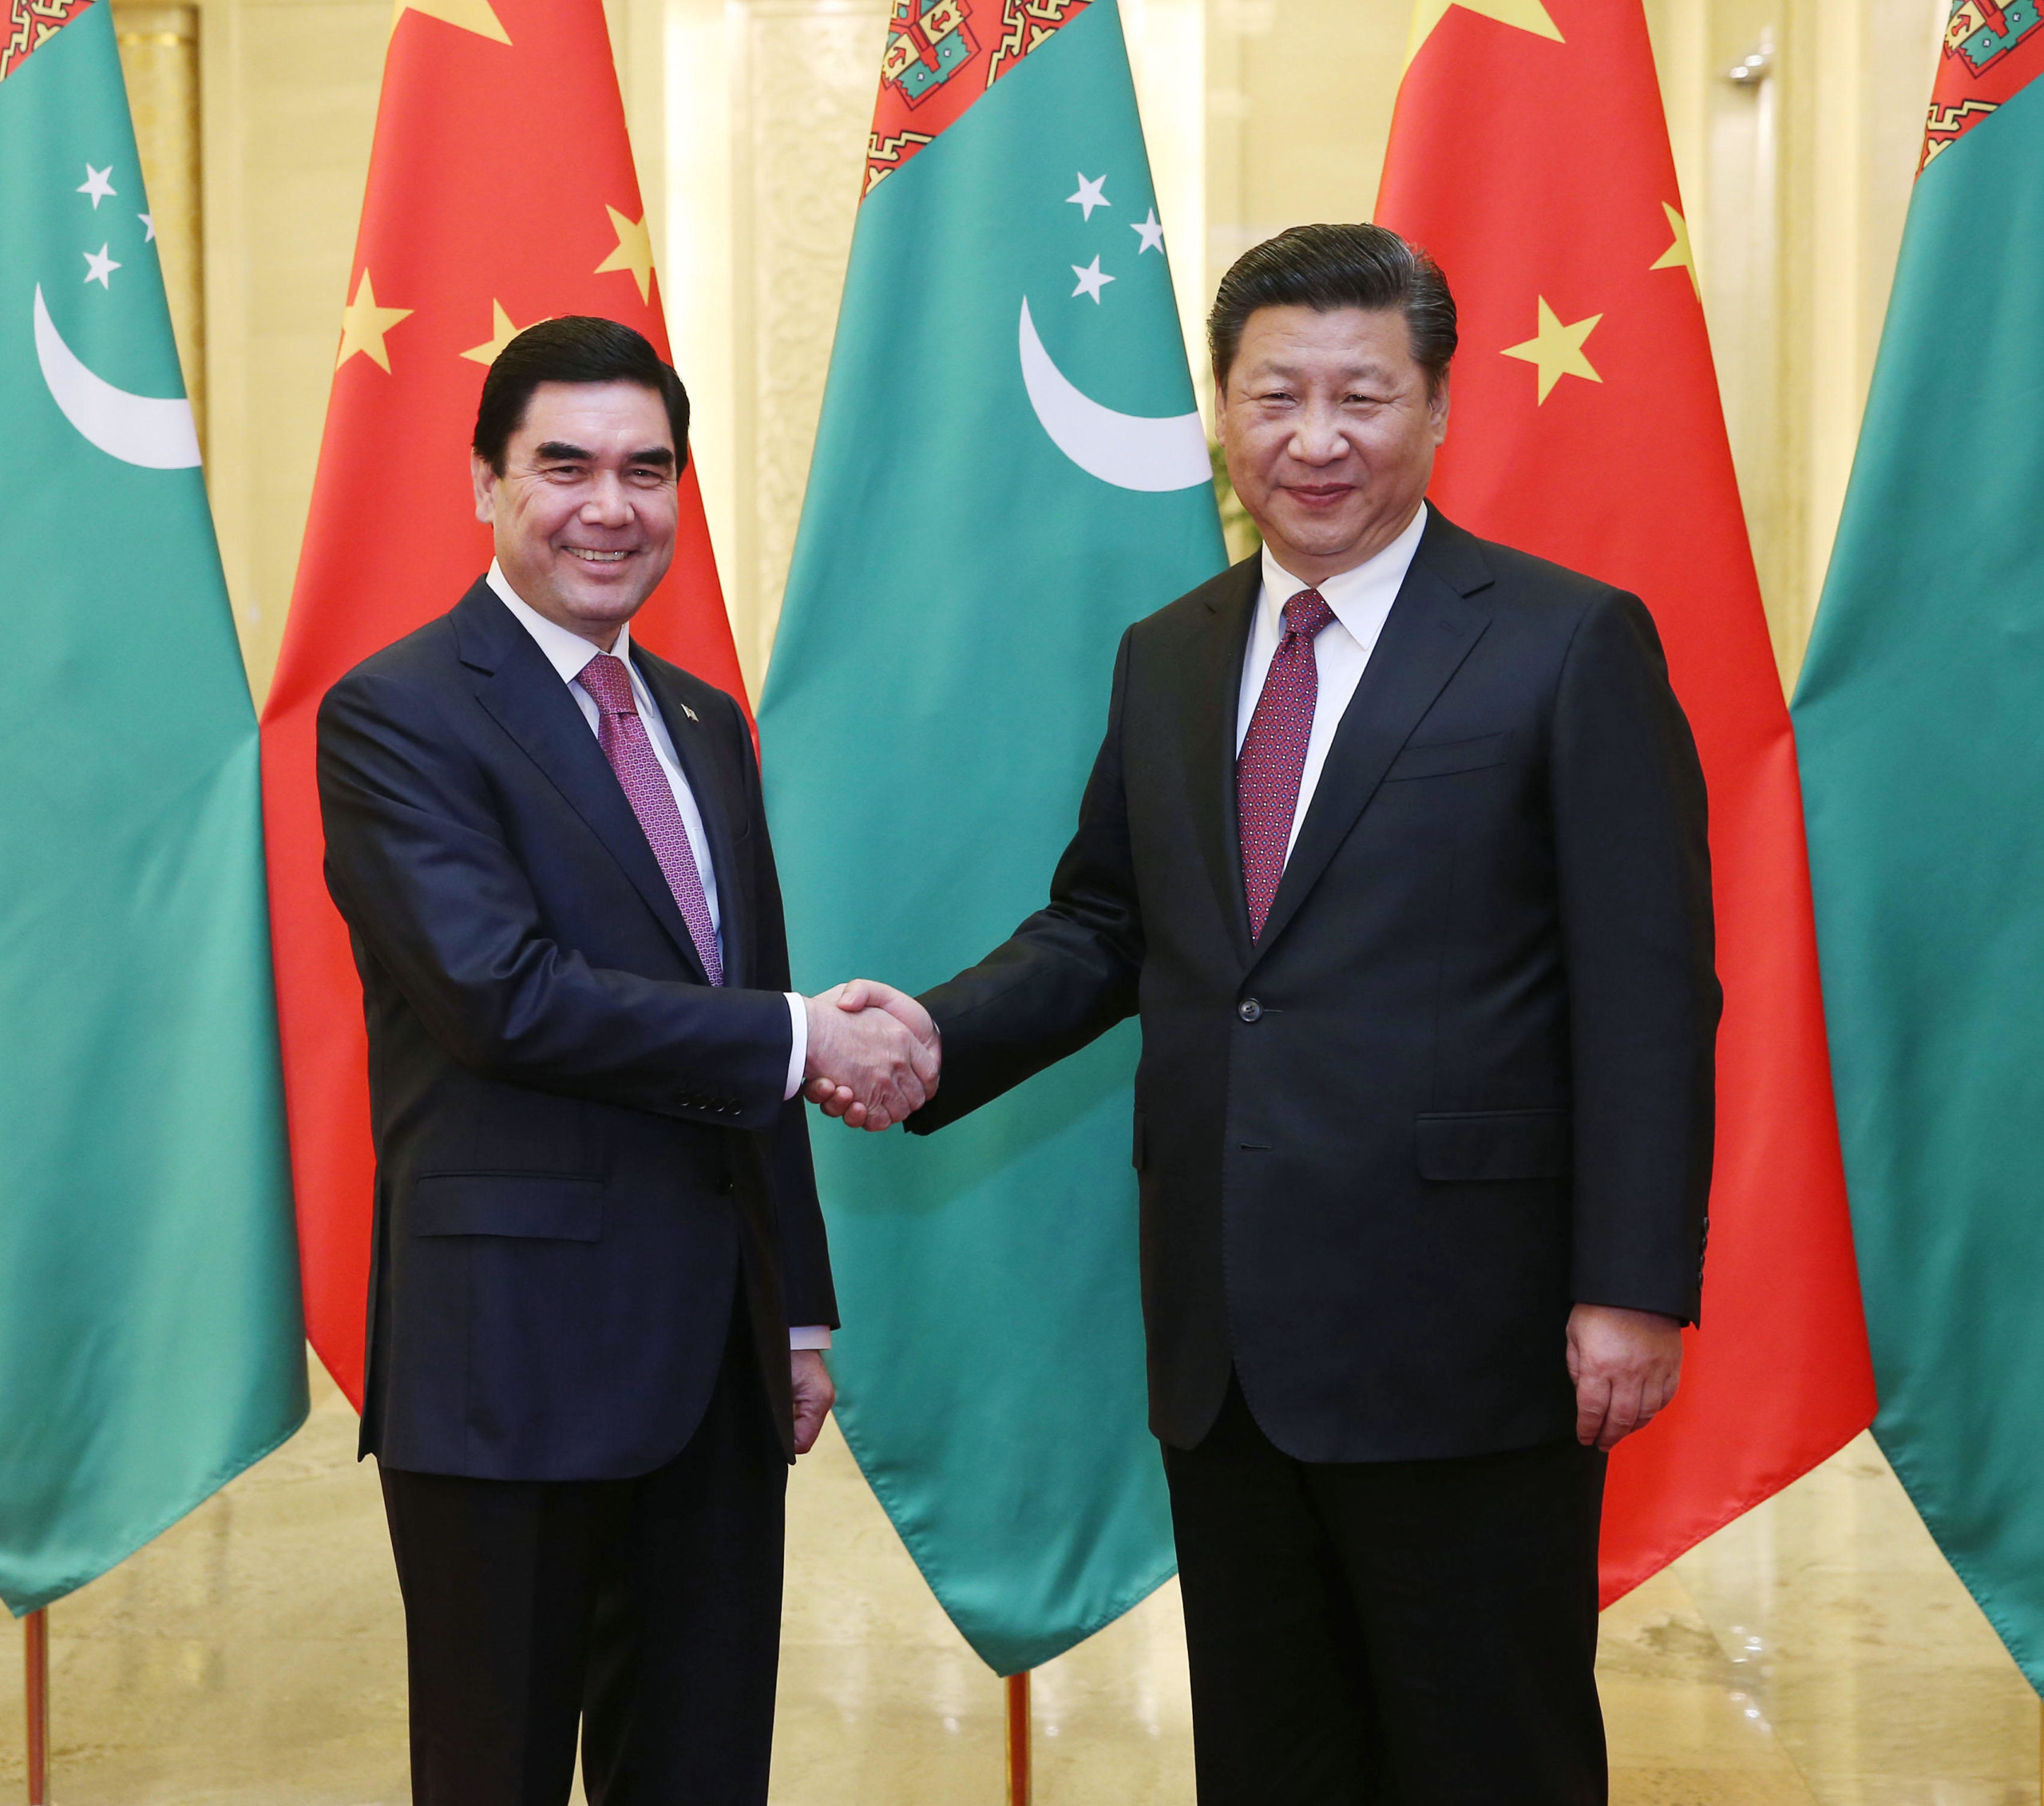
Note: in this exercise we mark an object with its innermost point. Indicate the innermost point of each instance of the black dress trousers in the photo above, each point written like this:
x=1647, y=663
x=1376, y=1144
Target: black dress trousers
x=1389, y=1634
x=645, y=1612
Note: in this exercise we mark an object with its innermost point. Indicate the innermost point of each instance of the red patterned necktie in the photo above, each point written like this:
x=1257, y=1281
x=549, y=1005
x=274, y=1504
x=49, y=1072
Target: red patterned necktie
x=622, y=735
x=1273, y=754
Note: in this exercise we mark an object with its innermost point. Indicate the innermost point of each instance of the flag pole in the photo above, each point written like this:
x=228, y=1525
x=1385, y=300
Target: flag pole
x=35, y=1629
x=1018, y=1739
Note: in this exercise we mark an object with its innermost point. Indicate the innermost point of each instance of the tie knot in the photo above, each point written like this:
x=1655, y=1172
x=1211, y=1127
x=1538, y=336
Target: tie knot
x=608, y=684
x=1307, y=613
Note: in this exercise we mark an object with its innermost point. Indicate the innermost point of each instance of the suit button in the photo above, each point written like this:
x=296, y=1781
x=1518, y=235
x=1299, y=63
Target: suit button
x=1249, y=1009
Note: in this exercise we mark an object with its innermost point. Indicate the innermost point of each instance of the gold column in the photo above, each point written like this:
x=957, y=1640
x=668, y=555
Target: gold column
x=159, y=58
x=802, y=87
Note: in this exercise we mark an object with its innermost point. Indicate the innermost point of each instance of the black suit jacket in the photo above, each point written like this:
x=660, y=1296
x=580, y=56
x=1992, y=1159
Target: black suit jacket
x=1465, y=1078
x=582, y=1149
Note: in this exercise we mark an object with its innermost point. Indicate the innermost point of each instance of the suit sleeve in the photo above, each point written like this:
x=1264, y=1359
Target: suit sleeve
x=1633, y=864
x=1068, y=974
x=418, y=863
x=805, y=1280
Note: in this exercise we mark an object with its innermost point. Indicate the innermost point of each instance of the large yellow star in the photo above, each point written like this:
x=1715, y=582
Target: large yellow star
x=1678, y=256
x=1528, y=15
x=364, y=324
x=478, y=16
x=634, y=252
x=501, y=333
x=1557, y=350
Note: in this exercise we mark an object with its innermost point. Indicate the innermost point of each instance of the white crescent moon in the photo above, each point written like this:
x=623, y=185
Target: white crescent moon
x=1132, y=451
x=156, y=433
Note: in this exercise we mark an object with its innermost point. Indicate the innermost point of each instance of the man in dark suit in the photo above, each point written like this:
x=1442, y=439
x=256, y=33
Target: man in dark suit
x=1397, y=843
x=600, y=1279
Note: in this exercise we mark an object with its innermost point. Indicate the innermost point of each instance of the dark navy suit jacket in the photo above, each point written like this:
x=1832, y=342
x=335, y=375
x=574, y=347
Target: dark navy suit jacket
x=583, y=1152
x=1463, y=1079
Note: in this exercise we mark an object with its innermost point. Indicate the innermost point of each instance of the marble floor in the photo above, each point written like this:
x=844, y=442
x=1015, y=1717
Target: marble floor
x=1817, y=1651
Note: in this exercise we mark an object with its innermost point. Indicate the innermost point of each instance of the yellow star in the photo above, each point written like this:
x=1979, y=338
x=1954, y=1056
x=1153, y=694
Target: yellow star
x=501, y=333
x=1557, y=349
x=478, y=16
x=634, y=252
x=1678, y=256
x=363, y=325
x=1528, y=15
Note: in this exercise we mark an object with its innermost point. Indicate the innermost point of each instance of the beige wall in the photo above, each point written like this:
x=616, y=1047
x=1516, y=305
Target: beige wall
x=749, y=118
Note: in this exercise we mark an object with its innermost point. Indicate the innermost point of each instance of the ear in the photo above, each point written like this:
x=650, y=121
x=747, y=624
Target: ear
x=1437, y=409
x=485, y=481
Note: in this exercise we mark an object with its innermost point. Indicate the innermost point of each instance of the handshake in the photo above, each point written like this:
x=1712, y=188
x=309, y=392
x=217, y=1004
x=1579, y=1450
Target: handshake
x=873, y=1054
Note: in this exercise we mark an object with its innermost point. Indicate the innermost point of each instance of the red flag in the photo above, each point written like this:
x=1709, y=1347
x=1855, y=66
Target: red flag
x=1530, y=154
x=502, y=192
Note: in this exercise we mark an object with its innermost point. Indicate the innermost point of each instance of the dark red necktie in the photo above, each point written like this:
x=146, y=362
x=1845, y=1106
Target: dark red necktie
x=1273, y=754
x=622, y=735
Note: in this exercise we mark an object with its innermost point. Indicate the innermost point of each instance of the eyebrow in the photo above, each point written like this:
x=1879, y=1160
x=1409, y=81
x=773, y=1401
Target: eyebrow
x=1366, y=371
x=559, y=451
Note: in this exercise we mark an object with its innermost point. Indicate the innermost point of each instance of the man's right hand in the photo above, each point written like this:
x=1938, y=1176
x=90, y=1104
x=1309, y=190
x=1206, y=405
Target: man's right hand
x=872, y=1054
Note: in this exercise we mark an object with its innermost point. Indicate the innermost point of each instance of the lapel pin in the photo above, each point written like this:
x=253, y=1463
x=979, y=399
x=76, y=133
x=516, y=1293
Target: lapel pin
x=690, y=713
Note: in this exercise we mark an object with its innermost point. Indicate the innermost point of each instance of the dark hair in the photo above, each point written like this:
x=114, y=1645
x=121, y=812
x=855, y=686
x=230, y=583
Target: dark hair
x=1325, y=267
x=575, y=348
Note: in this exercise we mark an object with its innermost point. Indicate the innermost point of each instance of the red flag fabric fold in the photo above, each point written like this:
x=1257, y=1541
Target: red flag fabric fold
x=502, y=192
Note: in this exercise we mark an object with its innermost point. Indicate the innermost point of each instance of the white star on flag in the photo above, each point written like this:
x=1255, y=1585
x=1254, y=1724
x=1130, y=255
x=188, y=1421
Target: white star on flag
x=99, y=266
x=149, y=221
x=97, y=184
x=1089, y=195
x=1151, y=234
x=1091, y=281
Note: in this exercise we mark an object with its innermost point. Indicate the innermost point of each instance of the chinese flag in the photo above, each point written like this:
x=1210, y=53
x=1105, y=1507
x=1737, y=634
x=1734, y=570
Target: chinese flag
x=1529, y=156
x=501, y=192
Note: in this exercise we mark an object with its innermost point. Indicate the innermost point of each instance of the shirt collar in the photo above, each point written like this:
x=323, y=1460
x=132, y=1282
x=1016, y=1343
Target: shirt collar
x=1360, y=597
x=568, y=652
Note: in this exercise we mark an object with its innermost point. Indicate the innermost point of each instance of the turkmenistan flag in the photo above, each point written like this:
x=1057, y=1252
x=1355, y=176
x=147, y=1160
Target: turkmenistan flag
x=150, y=1343
x=1920, y=717
x=1009, y=470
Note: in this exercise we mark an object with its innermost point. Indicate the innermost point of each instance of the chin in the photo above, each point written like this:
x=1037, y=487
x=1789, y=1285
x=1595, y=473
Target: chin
x=1323, y=537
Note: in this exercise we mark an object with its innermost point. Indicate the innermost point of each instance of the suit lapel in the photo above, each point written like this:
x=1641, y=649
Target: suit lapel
x=1427, y=634
x=718, y=791
x=1214, y=681
x=524, y=695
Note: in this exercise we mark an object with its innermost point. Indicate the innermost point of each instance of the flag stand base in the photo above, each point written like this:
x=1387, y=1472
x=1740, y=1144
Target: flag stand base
x=35, y=1630
x=1018, y=1739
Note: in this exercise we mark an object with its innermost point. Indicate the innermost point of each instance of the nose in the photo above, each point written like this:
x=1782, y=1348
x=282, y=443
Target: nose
x=1317, y=438
x=606, y=504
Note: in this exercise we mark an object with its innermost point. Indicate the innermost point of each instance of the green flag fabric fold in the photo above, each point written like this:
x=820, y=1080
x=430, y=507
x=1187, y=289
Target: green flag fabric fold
x=1919, y=717
x=150, y=1339
x=1009, y=470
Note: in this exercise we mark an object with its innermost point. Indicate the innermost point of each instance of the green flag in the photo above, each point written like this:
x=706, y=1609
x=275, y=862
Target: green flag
x=1920, y=718
x=1009, y=470
x=150, y=1344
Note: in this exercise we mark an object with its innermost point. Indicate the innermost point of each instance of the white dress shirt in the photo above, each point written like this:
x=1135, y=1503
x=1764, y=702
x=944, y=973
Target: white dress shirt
x=568, y=652
x=1362, y=599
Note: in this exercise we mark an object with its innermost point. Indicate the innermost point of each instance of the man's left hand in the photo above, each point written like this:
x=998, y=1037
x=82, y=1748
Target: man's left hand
x=1625, y=1365
x=815, y=1395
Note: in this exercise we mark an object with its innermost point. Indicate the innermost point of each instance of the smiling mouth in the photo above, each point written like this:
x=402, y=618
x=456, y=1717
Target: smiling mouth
x=590, y=556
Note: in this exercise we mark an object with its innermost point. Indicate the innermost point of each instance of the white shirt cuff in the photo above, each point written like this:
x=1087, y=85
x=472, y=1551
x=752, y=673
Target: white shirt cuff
x=798, y=1060
x=810, y=1336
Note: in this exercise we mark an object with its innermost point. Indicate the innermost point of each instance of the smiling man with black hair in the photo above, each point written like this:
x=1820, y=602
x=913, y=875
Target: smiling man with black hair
x=599, y=1284
x=1395, y=843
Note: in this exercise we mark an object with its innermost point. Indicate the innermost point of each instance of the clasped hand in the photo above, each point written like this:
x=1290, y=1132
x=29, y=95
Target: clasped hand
x=873, y=1054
